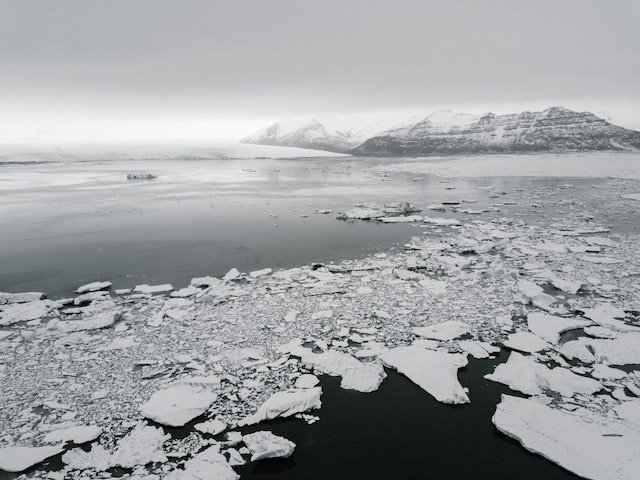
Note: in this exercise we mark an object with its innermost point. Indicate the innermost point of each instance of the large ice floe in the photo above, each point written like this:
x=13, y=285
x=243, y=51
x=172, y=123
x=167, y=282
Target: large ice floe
x=591, y=446
x=119, y=371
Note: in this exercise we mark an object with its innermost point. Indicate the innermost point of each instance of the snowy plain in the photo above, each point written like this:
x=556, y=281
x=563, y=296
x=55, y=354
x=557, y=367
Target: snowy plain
x=478, y=274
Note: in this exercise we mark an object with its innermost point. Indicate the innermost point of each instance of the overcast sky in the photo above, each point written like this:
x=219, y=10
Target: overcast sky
x=99, y=69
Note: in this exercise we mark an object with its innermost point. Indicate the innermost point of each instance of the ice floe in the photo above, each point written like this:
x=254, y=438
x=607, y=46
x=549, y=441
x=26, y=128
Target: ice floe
x=525, y=375
x=18, y=459
x=178, y=404
x=593, y=448
x=443, y=331
x=285, y=404
x=265, y=444
x=434, y=371
x=549, y=327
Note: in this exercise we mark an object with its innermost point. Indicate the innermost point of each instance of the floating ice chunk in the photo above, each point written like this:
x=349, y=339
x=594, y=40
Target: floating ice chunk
x=632, y=196
x=561, y=284
x=363, y=377
x=6, y=297
x=209, y=464
x=404, y=274
x=150, y=289
x=526, y=342
x=96, y=322
x=291, y=315
x=89, y=297
x=607, y=373
x=93, y=287
x=577, y=444
x=232, y=274
x=79, y=434
x=577, y=349
x=98, y=458
x=601, y=259
x=601, y=332
x=18, y=459
x=306, y=381
x=178, y=404
x=434, y=371
x=23, y=312
x=265, y=444
x=285, y=404
x=437, y=287
x=407, y=219
x=525, y=375
x=185, y=292
x=212, y=427
x=141, y=176
x=606, y=314
x=549, y=327
x=629, y=411
x=622, y=350
x=443, y=222
x=360, y=214
x=601, y=241
x=443, y=331
x=475, y=349
x=260, y=273
x=140, y=446
x=536, y=296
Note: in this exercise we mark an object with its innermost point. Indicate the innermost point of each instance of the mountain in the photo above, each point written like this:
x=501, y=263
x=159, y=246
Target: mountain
x=445, y=133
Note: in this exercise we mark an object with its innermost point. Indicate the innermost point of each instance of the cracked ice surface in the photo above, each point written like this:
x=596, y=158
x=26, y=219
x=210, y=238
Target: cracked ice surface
x=96, y=359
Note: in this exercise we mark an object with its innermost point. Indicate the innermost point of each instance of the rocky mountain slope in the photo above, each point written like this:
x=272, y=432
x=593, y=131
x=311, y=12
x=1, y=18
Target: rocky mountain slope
x=445, y=132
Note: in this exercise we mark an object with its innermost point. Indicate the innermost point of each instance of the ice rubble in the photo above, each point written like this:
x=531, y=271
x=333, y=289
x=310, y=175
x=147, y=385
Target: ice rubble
x=178, y=404
x=592, y=447
x=434, y=371
x=265, y=444
x=526, y=375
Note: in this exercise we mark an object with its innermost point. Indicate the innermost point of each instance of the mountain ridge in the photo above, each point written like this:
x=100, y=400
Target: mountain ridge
x=444, y=132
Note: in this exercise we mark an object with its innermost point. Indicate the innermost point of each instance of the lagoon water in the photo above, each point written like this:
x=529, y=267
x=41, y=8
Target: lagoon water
x=64, y=224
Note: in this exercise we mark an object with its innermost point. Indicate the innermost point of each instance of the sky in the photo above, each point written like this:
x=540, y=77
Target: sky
x=94, y=70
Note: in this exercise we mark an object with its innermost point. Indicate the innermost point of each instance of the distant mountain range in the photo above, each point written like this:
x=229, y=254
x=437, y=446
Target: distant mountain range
x=555, y=129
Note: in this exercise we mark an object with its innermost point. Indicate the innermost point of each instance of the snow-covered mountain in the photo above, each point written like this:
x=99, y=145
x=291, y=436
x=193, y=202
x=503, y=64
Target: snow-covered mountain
x=446, y=132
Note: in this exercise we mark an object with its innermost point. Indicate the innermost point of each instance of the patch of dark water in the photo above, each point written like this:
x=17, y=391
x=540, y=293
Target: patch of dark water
x=398, y=431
